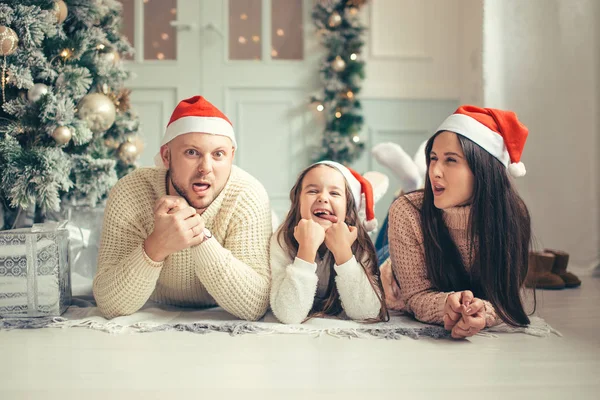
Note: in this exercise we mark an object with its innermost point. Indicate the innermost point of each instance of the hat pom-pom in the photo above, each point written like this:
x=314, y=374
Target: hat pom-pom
x=371, y=225
x=517, y=170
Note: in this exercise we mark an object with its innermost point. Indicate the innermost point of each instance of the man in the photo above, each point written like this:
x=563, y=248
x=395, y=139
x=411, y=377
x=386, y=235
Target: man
x=193, y=232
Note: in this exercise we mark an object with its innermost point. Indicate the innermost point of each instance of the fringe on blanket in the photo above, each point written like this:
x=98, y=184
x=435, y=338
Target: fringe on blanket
x=235, y=329
x=538, y=328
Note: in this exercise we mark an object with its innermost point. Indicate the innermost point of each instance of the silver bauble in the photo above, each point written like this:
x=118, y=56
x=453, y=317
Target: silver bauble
x=98, y=111
x=36, y=92
x=110, y=57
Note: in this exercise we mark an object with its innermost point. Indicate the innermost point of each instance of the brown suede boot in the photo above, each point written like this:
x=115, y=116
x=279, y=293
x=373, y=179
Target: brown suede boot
x=559, y=268
x=539, y=274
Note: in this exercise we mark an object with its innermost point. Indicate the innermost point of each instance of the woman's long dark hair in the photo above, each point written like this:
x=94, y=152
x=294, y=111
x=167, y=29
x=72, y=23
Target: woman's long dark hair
x=363, y=250
x=499, y=234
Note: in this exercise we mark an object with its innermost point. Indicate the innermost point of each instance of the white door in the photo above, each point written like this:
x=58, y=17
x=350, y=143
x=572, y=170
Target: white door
x=249, y=58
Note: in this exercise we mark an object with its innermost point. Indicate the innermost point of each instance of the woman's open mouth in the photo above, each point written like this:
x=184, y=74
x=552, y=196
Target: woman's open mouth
x=438, y=189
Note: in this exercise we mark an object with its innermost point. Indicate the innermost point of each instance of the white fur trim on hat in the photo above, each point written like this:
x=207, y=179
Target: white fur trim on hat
x=210, y=125
x=469, y=127
x=371, y=225
x=517, y=170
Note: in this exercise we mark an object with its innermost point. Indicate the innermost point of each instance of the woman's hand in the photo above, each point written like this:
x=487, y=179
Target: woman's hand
x=452, y=310
x=464, y=314
x=469, y=325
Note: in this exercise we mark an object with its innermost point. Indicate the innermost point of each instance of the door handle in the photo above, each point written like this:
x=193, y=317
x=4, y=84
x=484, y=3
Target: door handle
x=212, y=27
x=183, y=26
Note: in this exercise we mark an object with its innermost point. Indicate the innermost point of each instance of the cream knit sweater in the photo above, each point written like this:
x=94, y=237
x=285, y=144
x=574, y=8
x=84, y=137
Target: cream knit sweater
x=297, y=282
x=408, y=259
x=230, y=270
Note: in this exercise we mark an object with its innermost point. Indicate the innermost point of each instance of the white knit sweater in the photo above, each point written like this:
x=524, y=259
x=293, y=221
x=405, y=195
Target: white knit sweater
x=295, y=283
x=230, y=270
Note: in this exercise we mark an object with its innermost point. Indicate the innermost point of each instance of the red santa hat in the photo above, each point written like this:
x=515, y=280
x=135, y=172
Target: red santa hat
x=496, y=131
x=196, y=114
x=359, y=186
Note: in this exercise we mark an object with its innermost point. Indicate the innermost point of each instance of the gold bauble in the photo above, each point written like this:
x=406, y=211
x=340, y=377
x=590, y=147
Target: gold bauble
x=338, y=64
x=335, y=19
x=111, y=143
x=139, y=144
x=128, y=152
x=62, y=135
x=9, y=41
x=61, y=11
x=98, y=111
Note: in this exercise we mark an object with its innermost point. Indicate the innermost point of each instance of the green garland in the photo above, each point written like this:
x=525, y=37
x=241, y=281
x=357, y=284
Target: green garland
x=342, y=72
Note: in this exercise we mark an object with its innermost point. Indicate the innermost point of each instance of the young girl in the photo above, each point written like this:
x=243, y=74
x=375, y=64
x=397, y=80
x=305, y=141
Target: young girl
x=459, y=248
x=322, y=260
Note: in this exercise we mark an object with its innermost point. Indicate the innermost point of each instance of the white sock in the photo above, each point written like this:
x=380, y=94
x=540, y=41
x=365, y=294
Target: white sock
x=404, y=168
x=421, y=161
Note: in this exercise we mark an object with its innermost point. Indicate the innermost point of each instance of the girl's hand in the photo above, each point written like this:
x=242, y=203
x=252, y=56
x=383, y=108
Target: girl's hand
x=310, y=235
x=339, y=239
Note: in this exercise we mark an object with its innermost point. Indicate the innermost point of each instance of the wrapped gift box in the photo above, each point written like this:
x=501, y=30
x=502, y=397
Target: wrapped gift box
x=35, y=278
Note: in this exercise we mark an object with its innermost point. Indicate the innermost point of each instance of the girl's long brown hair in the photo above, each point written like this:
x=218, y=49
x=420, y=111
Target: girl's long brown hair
x=363, y=250
x=499, y=223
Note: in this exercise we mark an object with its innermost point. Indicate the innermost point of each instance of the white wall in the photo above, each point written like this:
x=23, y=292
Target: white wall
x=423, y=59
x=541, y=59
x=423, y=49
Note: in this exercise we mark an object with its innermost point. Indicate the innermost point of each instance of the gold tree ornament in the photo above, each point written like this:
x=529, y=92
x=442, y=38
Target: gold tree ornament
x=139, y=144
x=111, y=143
x=60, y=10
x=122, y=100
x=98, y=111
x=62, y=135
x=128, y=152
x=9, y=41
x=335, y=19
x=338, y=64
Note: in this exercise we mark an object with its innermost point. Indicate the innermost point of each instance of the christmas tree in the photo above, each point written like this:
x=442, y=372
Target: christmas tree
x=66, y=130
x=342, y=71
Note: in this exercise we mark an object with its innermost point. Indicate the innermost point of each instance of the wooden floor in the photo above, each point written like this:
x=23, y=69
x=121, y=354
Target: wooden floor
x=80, y=363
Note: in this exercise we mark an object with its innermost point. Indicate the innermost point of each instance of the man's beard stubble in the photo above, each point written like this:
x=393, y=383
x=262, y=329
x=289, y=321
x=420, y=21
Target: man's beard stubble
x=180, y=191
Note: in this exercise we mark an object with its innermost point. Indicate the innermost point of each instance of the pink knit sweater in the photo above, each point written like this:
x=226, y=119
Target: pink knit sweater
x=408, y=259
